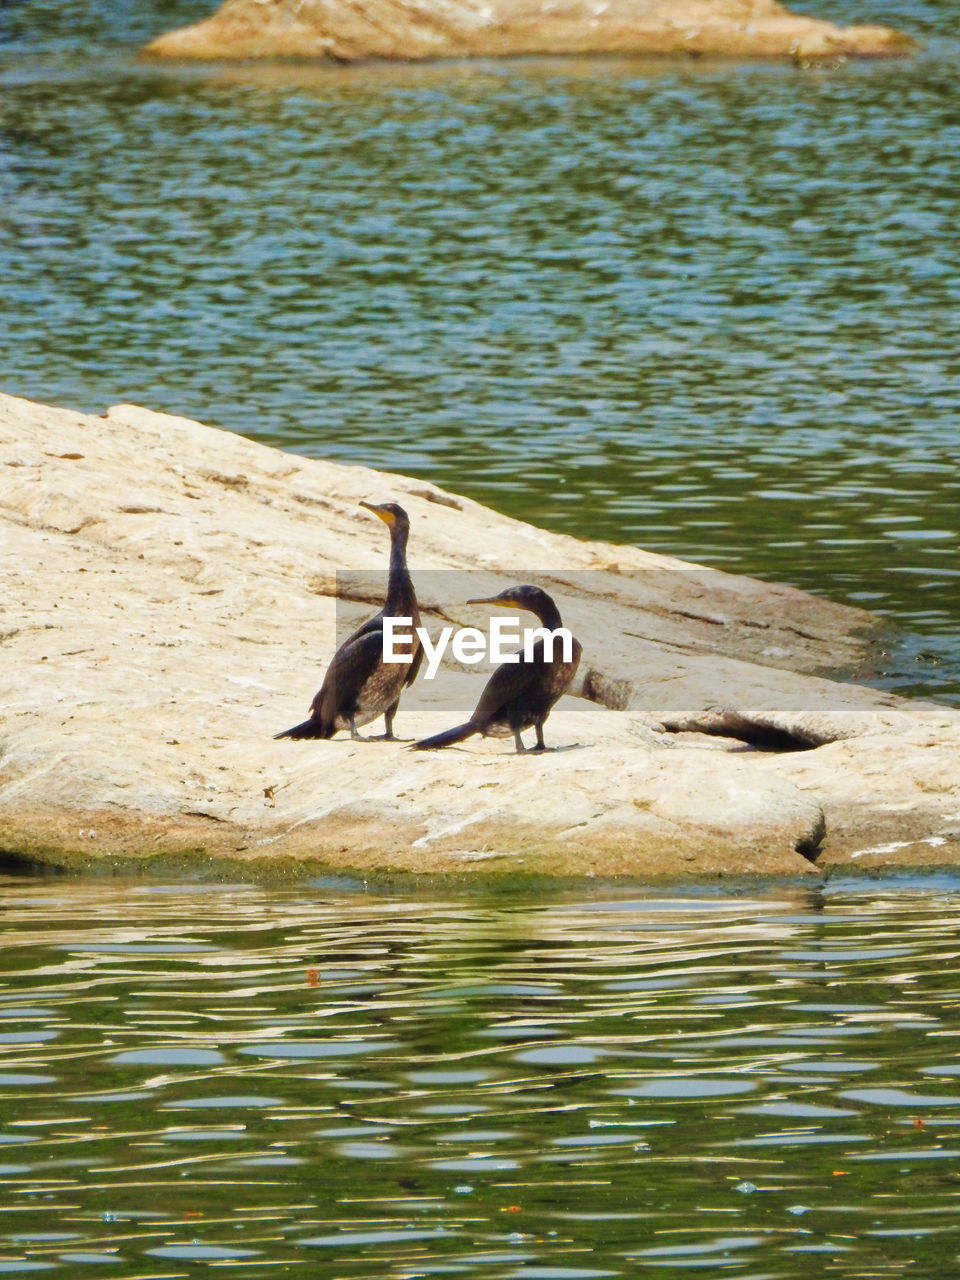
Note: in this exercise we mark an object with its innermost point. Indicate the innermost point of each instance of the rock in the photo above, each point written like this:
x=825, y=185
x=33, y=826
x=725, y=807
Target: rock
x=169, y=597
x=350, y=30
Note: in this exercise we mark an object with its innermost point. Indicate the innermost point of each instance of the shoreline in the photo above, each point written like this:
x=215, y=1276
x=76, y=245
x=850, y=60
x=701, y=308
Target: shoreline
x=171, y=868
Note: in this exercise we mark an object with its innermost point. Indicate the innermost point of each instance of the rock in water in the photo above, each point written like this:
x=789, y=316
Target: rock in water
x=163, y=581
x=351, y=30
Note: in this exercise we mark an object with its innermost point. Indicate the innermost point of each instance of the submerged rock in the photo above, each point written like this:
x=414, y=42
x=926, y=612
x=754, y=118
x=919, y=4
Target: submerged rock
x=350, y=30
x=168, y=603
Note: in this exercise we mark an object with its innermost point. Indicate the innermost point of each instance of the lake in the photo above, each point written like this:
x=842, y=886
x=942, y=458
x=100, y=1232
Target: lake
x=708, y=308
x=753, y=1082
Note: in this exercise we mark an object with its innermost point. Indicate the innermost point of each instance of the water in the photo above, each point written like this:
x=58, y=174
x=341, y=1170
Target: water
x=710, y=309
x=707, y=308
x=632, y=1082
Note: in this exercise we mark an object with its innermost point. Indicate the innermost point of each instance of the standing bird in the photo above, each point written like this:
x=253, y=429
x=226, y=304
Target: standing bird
x=359, y=685
x=519, y=695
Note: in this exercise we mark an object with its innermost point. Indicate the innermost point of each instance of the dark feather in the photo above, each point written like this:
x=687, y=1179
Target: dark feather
x=448, y=737
x=507, y=682
x=519, y=695
x=359, y=686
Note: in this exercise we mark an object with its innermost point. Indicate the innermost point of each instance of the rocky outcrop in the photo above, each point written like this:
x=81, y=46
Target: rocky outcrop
x=168, y=602
x=351, y=30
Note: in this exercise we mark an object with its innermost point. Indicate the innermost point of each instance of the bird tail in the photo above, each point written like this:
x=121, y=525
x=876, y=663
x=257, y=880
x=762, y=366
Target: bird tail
x=311, y=728
x=447, y=738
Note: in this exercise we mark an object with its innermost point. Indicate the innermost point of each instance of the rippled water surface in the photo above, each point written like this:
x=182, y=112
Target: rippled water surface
x=708, y=308
x=759, y=1084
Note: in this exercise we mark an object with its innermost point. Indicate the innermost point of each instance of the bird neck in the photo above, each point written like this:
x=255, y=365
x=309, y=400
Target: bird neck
x=399, y=578
x=548, y=613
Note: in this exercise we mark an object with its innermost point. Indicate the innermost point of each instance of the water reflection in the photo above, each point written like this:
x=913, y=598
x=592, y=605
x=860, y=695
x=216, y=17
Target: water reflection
x=503, y=1087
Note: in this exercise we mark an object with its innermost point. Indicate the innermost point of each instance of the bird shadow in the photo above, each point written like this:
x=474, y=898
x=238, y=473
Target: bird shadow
x=530, y=751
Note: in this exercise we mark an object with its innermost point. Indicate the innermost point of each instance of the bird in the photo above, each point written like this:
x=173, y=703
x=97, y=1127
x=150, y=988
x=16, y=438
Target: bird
x=519, y=695
x=359, y=686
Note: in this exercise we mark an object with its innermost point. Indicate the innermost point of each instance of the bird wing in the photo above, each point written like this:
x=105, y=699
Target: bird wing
x=506, y=683
x=372, y=624
x=376, y=624
x=351, y=667
x=415, y=664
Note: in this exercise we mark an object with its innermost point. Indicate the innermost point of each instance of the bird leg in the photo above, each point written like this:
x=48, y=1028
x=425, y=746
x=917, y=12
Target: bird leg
x=357, y=737
x=541, y=745
x=389, y=735
x=521, y=749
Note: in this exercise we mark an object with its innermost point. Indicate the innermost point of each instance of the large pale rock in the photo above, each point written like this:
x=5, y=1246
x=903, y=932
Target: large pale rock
x=168, y=602
x=348, y=30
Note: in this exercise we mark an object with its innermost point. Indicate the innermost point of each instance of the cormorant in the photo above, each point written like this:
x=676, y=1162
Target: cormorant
x=359, y=685
x=519, y=695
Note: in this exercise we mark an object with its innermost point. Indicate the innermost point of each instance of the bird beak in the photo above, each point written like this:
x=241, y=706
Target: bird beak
x=386, y=516
x=494, y=600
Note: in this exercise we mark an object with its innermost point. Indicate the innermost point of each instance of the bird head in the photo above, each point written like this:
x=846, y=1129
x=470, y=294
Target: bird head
x=523, y=597
x=390, y=513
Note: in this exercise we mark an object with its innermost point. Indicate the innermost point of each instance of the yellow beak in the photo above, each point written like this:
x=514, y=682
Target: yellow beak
x=508, y=604
x=386, y=516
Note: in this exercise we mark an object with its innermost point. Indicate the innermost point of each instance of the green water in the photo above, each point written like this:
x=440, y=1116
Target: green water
x=711, y=309
x=708, y=308
x=321, y=1082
